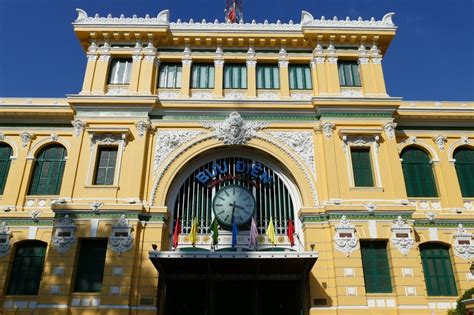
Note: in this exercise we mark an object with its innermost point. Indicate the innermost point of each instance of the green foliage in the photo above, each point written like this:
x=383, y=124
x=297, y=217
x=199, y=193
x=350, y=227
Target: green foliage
x=460, y=307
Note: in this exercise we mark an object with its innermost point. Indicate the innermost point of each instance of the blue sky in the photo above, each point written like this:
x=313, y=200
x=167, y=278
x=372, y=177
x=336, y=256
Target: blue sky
x=431, y=58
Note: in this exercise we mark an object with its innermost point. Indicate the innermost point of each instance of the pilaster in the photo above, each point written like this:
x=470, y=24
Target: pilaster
x=332, y=74
x=251, y=73
x=148, y=69
x=284, y=77
x=135, y=75
x=376, y=64
x=101, y=72
x=320, y=70
x=186, y=72
x=219, y=73
x=366, y=74
x=92, y=56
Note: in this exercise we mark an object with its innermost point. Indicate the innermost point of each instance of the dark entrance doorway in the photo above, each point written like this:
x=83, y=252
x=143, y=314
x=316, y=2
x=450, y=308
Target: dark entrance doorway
x=233, y=283
x=233, y=297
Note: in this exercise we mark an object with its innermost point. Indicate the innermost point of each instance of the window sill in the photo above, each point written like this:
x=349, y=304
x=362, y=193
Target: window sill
x=102, y=186
x=379, y=189
x=381, y=294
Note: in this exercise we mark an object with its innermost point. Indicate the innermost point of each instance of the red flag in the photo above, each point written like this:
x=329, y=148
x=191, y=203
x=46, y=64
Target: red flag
x=290, y=232
x=177, y=230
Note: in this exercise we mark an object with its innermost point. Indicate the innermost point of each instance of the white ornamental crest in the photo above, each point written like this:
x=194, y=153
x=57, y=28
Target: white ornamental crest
x=463, y=246
x=234, y=130
x=121, y=238
x=64, y=235
x=346, y=240
x=401, y=236
x=5, y=236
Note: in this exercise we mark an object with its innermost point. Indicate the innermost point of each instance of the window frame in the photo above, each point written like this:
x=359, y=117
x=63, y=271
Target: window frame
x=25, y=277
x=34, y=183
x=80, y=265
x=342, y=75
x=242, y=85
x=103, y=138
x=368, y=263
x=367, y=149
x=446, y=276
x=100, y=149
x=274, y=78
x=5, y=169
x=128, y=69
x=210, y=84
x=405, y=165
x=177, y=79
x=293, y=77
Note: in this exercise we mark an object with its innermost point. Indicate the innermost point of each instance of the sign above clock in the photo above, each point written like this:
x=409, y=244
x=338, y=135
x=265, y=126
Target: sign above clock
x=254, y=171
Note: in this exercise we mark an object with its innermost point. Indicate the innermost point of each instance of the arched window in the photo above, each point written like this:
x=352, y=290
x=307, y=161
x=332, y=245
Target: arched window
x=5, y=154
x=418, y=173
x=27, y=267
x=464, y=164
x=439, y=276
x=48, y=171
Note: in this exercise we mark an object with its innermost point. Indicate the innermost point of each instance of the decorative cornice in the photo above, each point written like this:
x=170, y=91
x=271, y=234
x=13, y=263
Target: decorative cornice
x=83, y=19
x=307, y=20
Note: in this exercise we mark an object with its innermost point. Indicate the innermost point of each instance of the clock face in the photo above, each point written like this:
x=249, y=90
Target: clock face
x=233, y=201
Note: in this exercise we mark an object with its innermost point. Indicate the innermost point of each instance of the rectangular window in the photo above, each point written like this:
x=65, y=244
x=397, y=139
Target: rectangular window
x=90, y=265
x=300, y=77
x=376, y=267
x=235, y=76
x=349, y=74
x=202, y=76
x=268, y=76
x=105, y=165
x=120, y=71
x=362, y=167
x=170, y=76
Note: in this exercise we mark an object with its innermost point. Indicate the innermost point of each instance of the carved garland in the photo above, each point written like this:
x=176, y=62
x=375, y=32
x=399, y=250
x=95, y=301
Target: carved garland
x=5, y=236
x=463, y=245
x=121, y=238
x=401, y=236
x=346, y=240
x=64, y=235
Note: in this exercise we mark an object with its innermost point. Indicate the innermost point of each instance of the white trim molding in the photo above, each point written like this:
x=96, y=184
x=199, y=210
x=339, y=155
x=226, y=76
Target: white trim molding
x=464, y=141
x=11, y=143
x=54, y=138
x=413, y=140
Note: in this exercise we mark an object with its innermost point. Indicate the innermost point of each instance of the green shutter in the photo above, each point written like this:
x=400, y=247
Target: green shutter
x=300, y=77
x=235, y=76
x=349, y=73
x=90, y=265
x=418, y=173
x=105, y=166
x=362, y=167
x=5, y=154
x=376, y=268
x=48, y=171
x=27, y=268
x=464, y=164
x=268, y=76
x=438, y=271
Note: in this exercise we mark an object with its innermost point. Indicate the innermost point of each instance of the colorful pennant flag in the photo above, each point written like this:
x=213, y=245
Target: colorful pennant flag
x=215, y=232
x=235, y=231
x=290, y=232
x=193, y=233
x=253, y=234
x=271, y=231
x=177, y=231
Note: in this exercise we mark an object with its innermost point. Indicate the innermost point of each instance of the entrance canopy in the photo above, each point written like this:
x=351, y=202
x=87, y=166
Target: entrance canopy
x=233, y=265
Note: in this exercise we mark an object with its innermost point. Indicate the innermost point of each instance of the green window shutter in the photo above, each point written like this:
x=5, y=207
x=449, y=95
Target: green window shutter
x=349, y=73
x=464, y=164
x=48, y=171
x=27, y=268
x=105, y=166
x=300, y=77
x=418, y=173
x=438, y=271
x=376, y=268
x=170, y=76
x=362, y=167
x=235, y=76
x=5, y=154
x=268, y=76
x=120, y=71
x=90, y=265
x=202, y=76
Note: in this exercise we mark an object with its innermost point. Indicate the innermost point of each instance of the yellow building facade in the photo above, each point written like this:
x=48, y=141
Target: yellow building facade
x=108, y=196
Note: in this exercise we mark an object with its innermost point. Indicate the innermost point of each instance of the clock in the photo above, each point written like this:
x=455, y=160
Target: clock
x=233, y=201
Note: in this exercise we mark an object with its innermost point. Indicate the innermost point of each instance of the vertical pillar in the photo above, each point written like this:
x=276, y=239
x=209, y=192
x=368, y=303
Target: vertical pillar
x=314, y=77
x=251, y=74
x=148, y=69
x=136, y=65
x=320, y=72
x=284, y=77
x=219, y=73
x=366, y=74
x=376, y=63
x=101, y=72
x=331, y=160
x=92, y=56
x=186, y=72
x=332, y=73
x=399, y=190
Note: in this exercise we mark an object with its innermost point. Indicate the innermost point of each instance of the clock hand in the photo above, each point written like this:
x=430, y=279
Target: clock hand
x=238, y=207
